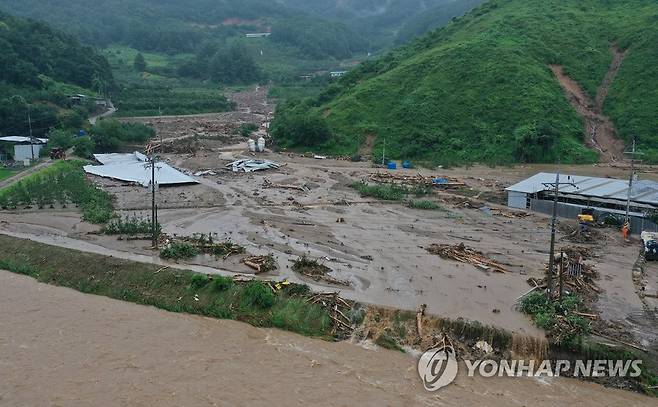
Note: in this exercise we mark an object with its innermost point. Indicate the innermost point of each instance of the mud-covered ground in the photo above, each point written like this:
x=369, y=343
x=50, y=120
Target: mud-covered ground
x=59, y=347
x=377, y=246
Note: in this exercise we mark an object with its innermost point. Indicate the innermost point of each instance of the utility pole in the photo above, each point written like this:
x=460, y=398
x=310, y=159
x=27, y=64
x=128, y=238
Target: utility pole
x=29, y=123
x=632, y=154
x=150, y=151
x=154, y=236
x=561, y=277
x=551, y=260
x=384, y=153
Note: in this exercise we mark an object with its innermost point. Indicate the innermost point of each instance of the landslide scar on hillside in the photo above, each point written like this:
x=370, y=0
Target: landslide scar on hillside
x=600, y=131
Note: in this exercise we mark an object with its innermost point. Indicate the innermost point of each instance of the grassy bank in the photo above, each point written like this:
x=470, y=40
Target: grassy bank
x=169, y=289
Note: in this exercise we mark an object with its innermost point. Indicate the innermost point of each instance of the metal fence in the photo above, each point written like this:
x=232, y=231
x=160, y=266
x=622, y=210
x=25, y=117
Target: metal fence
x=571, y=211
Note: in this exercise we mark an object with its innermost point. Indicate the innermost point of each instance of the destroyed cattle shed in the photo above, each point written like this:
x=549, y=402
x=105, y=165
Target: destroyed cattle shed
x=249, y=165
x=135, y=167
x=606, y=196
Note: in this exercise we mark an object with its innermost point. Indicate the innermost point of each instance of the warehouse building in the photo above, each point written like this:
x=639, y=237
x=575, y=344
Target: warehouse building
x=607, y=196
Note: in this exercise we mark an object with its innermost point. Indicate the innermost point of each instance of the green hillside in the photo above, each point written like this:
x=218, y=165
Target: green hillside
x=480, y=88
x=39, y=68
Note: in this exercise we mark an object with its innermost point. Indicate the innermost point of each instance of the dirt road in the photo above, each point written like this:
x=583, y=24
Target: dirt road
x=59, y=347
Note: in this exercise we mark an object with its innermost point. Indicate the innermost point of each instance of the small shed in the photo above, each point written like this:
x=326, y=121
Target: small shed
x=24, y=147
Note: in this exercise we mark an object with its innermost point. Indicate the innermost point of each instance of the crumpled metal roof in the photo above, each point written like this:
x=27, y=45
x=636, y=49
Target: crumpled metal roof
x=134, y=167
x=610, y=188
x=249, y=165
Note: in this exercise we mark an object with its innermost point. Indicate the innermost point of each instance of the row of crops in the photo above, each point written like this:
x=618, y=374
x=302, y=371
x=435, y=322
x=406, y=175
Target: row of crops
x=63, y=183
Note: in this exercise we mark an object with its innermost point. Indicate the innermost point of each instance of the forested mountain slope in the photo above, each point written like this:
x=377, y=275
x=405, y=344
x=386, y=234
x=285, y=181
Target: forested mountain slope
x=41, y=67
x=175, y=26
x=482, y=89
x=384, y=22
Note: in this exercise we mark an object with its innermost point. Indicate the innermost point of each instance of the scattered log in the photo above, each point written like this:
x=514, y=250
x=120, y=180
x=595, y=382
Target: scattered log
x=464, y=254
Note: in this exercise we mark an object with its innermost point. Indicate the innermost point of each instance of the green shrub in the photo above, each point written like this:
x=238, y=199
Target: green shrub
x=199, y=281
x=424, y=204
x=221, y=283
x=130, y=226
x=179, y=250
x=246, y=129
x=258, y=294
x=386, y=341
x=387, y=192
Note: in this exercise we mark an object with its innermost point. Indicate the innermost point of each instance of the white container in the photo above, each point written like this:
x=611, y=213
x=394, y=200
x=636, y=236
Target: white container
x=252, y=145
x=261, y=144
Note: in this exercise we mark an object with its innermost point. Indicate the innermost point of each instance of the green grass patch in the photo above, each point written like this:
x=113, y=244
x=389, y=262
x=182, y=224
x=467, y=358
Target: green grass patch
x=6, y=173
x=425, y=204
x=386, y=341
x=63, y=182
x=388, y=192
x=179, y=250
x=170, y=289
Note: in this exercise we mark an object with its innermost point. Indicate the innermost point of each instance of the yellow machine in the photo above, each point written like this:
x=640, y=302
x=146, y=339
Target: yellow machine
x=586, y=218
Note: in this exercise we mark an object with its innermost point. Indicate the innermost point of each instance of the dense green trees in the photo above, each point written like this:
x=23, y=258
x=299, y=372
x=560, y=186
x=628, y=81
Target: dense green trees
x=108, y=135
x=234, y=65
x=31, y=48
x=139, y=64
x=297, y=127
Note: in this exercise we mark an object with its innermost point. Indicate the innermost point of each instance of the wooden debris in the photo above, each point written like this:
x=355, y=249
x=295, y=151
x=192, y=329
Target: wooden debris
x=268, y=184
x=316, y=271
x=464, y=254
x=338, y=310
x=261, y=264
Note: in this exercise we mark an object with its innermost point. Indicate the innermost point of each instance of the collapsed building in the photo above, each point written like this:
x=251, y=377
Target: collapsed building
x=607, y=197
x=136, y=168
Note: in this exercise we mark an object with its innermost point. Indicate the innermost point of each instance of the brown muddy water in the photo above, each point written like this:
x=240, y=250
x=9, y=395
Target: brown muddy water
x=59, y=347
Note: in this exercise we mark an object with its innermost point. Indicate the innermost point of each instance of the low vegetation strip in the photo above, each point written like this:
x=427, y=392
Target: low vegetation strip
x=171, y=289
x=63, y=183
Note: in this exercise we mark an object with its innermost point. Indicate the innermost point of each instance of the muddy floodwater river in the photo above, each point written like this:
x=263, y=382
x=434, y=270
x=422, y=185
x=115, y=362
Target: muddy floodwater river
x=59, y=347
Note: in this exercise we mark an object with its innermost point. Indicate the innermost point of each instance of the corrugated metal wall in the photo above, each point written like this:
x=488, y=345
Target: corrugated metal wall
x=517, y=200
x=571, y=211
x=24, y=151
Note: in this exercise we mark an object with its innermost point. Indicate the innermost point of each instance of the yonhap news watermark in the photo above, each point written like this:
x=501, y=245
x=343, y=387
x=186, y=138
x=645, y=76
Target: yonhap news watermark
x=438, y=368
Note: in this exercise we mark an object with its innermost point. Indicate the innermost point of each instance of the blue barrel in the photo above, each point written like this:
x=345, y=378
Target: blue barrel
x=392, y=165
x=407, y=165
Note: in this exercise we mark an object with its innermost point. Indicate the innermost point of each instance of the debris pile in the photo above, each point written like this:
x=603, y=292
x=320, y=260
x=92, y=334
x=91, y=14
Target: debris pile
x=465, y=254
x=204, y=244
x=262, y=264
x=316, y=271
x=187, y=145
x=249, y=165
x=577, y=235
x=578, y=277
x=338, y=309
x=417, y=180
